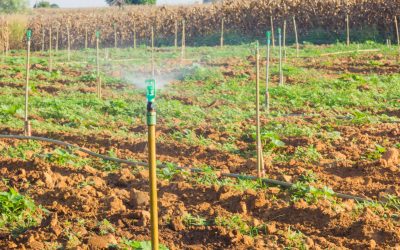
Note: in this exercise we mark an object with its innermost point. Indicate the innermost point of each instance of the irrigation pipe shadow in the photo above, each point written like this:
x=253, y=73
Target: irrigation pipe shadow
x=194, y=170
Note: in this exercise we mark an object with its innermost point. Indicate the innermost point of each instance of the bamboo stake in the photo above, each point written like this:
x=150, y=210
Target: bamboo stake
x=272, y=31
x=259, y=149
x=176, y=34
x=27, y=130
x=222, y=32
x=50, y=50
x=297, y=36
x=397, y=30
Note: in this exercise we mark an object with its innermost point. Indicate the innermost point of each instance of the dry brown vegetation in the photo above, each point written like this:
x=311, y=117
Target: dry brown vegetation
x=241, y=16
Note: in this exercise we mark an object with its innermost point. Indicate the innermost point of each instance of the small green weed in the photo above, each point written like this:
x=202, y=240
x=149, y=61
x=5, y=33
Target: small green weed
x=307, y=154
x=190, y=220
x=376, y=153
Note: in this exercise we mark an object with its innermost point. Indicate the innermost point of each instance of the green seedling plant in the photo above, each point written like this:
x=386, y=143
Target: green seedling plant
x=307, y=154
x=22, y=151
x=18, y=212
x=138, y=245
x=61, y=157
x=236, y=222
x=376, y=153
x=105, y=227
x=191, y=220
x=271, y=140
x=303, y=189
x=296, y=240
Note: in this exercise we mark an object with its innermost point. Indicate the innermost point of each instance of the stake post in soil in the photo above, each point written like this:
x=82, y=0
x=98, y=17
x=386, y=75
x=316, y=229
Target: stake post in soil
x=259, y=149
x=151, y=124
x=98, y=64
x=27, y=129
x=222, y=32
x=296, y=36
x=267, y=101
x=280, y=57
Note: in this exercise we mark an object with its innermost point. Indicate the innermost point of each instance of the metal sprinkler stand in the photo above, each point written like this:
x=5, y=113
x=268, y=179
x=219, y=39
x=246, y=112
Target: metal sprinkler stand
x=151, y=124
x=27, y=124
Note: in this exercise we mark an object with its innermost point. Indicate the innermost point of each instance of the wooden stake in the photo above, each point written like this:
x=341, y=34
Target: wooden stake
x=272, y=31
x=258, y=129
x=396, y=25
x=222, y=32
x=297, y=36
x=176, y=34
x=27, y=130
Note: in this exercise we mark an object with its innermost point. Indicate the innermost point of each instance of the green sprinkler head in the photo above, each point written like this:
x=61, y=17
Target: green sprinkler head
x=268, y=35
x=28, y=34
x=279, y=31
x=97, y=34
x=150, y=90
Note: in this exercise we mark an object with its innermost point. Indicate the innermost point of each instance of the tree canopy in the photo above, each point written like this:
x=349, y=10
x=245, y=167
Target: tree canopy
x=10, y=6
x=45, y=4
x=111, y=2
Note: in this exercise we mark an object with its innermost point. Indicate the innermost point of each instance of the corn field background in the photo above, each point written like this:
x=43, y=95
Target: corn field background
x=244, y=18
